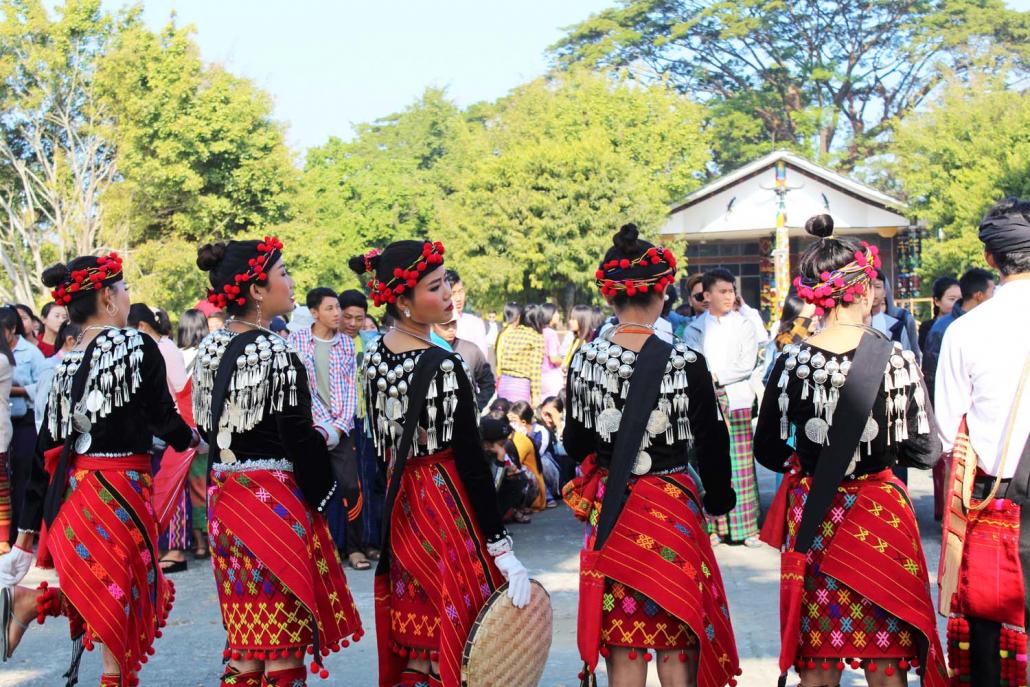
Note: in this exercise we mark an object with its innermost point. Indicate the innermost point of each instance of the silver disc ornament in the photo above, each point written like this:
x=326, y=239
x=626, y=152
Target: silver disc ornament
x=226, y=455
x=94, y=401
x=223, y=439
x=81, y=422
x=871, y=430
x=394, y=408
x=608, y=420
x=657, y=422
x=83, y=443
x=816, y=430
x=642, y=464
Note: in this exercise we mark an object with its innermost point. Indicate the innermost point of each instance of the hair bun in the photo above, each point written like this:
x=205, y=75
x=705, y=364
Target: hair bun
x=210, y=256
x=626, y=239
x=820, y=226
x=358, y=263
x=56, y=275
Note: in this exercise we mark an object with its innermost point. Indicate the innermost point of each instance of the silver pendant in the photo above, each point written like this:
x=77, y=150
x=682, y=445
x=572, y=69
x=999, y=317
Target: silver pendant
x=608, y=420
x=657, y=423
x=81, y=423
x=94, y=401
x=394, y=409
x=227, y=456
x=816, y=430
x=223, y=439
x=83, y=443
x=871, y=430
x=642, y=465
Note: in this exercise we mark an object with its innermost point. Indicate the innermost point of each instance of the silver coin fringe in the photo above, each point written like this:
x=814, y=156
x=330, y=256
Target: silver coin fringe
x=114, y=376
x=263, y=378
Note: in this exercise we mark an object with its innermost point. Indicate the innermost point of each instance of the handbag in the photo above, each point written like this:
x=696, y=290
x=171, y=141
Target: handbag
x=987, y=531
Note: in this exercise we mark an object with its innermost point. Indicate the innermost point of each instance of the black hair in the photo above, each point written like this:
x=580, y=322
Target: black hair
x=5, y=350
x=711, y=277
x=317, y=295
x=493, y=429
x=141, y=312
x=828, y=253
x=583, y=316
x=559, y=404
x=1013, y=262
x=671, y=296
x=500, y=405
x=522, y=410
x=45, y=310
x=792, y=306
x=164, y=323
x=531, y=317
x=223, y=261
x=27, y=310
x=547, y=313
x=67, y=330
x=352, y=298
x=374, y=320
x=81, y=308
x=452, y=277
x=627, y=244
x=11, y=320
x=512, y=313
x=975, y=280
x=192, y=329
x=940, y=286
x=397, y=255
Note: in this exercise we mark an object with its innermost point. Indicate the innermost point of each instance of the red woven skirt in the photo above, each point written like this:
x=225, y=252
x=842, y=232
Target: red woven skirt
x=440, y=573
x=278, y=574
x=103, y=542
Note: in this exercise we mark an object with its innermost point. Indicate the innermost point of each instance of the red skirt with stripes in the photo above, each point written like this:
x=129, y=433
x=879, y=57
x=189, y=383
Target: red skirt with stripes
x=440, y=573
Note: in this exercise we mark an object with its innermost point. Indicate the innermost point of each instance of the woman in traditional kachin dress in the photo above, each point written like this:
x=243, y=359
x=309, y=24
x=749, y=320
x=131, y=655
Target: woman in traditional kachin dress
x=280, y=582
x=649, y=579
x=865, y=601
x=108, y=398
x=445, y=550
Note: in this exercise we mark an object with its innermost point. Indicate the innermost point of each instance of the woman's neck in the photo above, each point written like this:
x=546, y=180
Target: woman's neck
x=406, y=323
x=849, y=316
x=49, y=337
x=92, y=328
x=631, y=315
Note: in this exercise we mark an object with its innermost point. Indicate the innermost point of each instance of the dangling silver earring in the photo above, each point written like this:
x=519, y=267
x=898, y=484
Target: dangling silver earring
x=259, y=313
x=407, y=313
x=111, y=309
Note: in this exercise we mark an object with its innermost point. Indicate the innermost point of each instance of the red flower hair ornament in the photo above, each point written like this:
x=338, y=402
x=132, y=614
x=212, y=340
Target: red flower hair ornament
x=843, y=285
x=268, y=252
x=654, y=269
x=403, y=279
x=81, y=282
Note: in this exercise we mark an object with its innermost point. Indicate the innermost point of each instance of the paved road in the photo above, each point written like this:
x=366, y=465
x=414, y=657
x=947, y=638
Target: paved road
x=189, y=654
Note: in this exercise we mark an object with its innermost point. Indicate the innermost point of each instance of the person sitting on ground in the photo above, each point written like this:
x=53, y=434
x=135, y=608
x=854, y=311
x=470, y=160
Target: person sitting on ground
x=516, y=486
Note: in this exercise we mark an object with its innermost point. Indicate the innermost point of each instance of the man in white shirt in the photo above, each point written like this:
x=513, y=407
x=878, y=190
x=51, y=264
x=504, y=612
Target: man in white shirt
x=470, y=327
x=981, y=362
x=730, y=345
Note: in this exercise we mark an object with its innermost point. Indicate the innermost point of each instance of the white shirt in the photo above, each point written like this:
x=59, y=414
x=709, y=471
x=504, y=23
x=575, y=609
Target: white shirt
x=982, y=358
x=473, y=330
x=731, y=349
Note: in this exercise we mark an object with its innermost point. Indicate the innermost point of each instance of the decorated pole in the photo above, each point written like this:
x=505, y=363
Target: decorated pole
x=781, y=250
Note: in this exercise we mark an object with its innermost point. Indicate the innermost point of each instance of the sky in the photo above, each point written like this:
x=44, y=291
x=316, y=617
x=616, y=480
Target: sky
x=330, y=64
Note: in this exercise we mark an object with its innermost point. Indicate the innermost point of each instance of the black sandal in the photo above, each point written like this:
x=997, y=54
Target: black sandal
x=175, y=567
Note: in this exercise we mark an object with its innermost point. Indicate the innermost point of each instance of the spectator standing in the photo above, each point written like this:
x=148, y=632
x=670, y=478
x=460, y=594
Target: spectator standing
x=29, y=322
x=6, y=377
x=581, y=331
x=353, y=320
x=215, y=320
x=729, y=343
x=896, y=322
x=330, y=361
x=176, y=539
x=946, y=293
x=28, y=366
x=191, y=331
x=482, y=373
x=984, y=355
x=470, y=327
x=551, y=378
x=520, y=356
x=54, y=316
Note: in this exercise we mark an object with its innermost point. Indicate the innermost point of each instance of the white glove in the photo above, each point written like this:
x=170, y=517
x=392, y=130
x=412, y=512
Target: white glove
x=517, y=576
x=15, y=565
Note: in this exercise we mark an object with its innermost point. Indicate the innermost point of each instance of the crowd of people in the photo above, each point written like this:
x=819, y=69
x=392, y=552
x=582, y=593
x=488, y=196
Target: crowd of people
x=317, y=437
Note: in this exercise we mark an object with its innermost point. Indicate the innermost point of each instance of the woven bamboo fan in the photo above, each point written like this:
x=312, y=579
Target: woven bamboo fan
x=508, y=646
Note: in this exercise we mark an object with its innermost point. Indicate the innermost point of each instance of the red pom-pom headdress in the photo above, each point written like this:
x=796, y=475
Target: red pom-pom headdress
x=81, y=282
x=843, y=285
x=404, y=279
x=268, y=251
x=654, y=269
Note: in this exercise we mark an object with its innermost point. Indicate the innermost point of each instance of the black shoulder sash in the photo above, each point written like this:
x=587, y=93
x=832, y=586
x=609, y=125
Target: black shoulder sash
x=857, y=397
x=644, y=387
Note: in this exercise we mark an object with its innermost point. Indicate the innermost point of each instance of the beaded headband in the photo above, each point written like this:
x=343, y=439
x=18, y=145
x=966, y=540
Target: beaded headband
x=108, y=270
x=268, y=251
x=842, y=285
x=614, y=276
x=403, y=278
